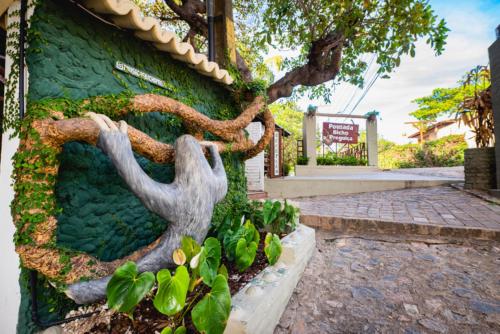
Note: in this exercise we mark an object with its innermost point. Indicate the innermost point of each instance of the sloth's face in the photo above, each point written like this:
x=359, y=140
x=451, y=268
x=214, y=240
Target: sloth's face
x=189, y=154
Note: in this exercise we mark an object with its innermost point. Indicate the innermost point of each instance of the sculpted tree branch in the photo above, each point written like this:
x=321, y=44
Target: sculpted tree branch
x=196, y=184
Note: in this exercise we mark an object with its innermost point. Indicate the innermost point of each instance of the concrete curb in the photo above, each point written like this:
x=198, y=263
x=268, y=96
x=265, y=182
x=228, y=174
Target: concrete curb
x=257, y=307
x=345, y=225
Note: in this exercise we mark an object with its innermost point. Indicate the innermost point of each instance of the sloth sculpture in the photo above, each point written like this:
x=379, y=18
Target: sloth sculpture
x=187, y=203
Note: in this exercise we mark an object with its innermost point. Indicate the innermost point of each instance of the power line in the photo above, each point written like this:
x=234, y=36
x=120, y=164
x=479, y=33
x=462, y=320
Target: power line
x=356, y=88
x=365, y=92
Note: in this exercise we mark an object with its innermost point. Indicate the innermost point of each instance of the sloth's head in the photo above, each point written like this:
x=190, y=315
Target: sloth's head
x=189, y=156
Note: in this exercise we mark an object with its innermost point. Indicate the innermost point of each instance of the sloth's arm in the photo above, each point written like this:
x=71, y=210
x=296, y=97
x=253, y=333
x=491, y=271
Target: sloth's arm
x=114, y=141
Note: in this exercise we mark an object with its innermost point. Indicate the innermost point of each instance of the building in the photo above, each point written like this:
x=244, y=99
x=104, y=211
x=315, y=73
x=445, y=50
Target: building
x=442, y=129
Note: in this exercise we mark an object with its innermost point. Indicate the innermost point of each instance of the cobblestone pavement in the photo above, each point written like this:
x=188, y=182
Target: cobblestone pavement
x=383, y=285
x=444, y=206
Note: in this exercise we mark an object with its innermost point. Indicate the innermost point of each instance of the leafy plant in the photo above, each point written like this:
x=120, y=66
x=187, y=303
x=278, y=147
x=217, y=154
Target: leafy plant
x=210, y=260
x=179, y=330
x=279, y=220
x=211, y=313
x=272, y=248
x=302, y=161
x=245, y=254
x=127, y=288
x=172, y=290
x=190, y=247
x=332, y=159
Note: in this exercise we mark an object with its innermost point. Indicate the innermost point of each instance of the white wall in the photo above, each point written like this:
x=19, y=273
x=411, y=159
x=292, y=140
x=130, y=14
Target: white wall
x=254, y=168
x=9, y=287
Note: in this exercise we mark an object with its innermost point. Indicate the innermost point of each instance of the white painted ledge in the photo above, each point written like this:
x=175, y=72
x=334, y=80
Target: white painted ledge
x=258, y=306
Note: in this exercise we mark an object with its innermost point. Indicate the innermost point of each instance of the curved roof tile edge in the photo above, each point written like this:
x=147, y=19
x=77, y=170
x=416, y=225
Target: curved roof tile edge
x=126, y=14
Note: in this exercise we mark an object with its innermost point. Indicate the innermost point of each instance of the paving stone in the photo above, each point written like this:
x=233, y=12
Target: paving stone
x=437, y=206
x=366, y=292
x=484, y=307
x=411, y=310
x=433, y=325
x=458, y=292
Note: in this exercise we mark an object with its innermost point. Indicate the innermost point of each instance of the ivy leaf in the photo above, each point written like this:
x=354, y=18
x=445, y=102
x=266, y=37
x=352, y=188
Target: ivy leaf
x=245, y=254
x=190, y=247
x=172, y=291
x=211, y=313
x=210, y=260
x=126, y=288
x=272, y=248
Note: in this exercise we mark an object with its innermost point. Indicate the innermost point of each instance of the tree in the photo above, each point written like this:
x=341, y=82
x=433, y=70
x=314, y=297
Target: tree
x=288, y=116
x=328, y=37
x=470, y=102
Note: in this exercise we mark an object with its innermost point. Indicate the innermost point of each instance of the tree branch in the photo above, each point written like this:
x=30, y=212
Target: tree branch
x=323, y=65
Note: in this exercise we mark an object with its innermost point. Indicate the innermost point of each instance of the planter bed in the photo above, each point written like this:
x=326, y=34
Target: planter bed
x=259, y=295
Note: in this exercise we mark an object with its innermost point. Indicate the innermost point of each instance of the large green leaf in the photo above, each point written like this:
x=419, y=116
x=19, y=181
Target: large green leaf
x=211, y=313
x=270, y=211
x=190, y=247
x=272, y=248
x=171, y=295
x=210, y=260
x=245, y=254
x=126, y=288
x=231, y=240
x=251, y=233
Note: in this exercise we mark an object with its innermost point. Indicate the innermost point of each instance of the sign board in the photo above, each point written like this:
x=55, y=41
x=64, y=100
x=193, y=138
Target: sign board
x=276, y=152
x=343, y=133
x=140, y=74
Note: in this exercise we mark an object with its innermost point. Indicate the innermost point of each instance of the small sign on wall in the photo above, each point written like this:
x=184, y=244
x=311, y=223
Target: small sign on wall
x=140, y=74
x=343, y=133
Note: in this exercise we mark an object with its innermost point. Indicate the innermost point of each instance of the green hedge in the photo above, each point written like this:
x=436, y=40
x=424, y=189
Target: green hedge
x=444, y=152
x=332, y=159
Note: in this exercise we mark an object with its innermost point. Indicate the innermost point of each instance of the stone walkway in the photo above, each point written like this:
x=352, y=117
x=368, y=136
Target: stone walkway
x=384, y=285
x=441, y=206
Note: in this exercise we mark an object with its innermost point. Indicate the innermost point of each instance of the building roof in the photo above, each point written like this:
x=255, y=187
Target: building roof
x=125, y=14
x=437, y=125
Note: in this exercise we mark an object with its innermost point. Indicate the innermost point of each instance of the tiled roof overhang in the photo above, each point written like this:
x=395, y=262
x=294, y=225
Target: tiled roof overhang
x=125, y=14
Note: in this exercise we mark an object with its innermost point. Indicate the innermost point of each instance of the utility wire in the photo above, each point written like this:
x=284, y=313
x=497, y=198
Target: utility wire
x=356, y=88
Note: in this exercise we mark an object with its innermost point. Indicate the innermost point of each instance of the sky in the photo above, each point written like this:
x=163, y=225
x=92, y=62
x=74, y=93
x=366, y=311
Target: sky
x=472, y=24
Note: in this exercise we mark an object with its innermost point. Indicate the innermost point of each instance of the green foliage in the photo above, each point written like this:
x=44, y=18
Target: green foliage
x=127, y=288
x=246, y=236
x=444, y=152
x=289, y=117
x=382, y=28
x=210, y=260
x=179, y=330
x=332, y=159
x=272, y=248
x=245, y=254
x=190, y=247
x=449, y=101
x=172, y=291
x=211, y=313
x=280, y=219
x=303, y=161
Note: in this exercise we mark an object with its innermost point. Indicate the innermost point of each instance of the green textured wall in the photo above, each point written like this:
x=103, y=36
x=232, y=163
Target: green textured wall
x=72, y=55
